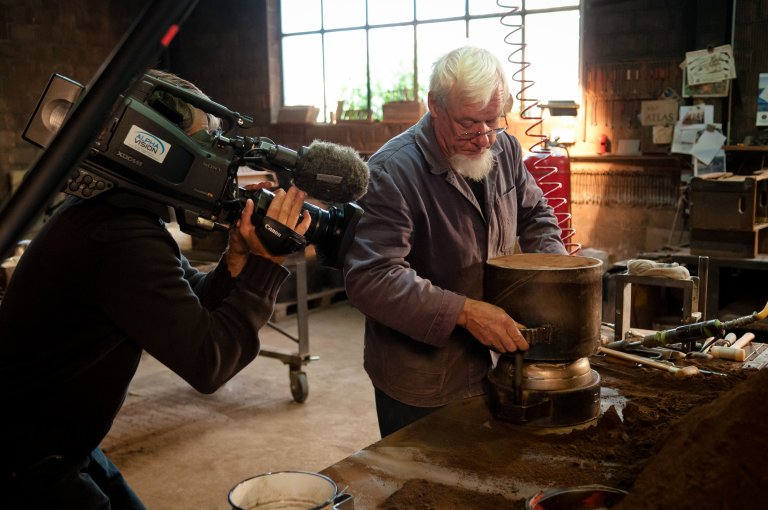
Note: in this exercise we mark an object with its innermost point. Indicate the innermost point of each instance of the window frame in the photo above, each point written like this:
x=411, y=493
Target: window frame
x=520, y=10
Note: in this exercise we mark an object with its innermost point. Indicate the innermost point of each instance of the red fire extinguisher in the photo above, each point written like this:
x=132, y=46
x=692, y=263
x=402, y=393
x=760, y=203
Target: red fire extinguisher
x=551, y=168
x=603, y=145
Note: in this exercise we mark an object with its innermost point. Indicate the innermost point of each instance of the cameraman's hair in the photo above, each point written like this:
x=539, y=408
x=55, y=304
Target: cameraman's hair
x=214, y=123
x=475, y=74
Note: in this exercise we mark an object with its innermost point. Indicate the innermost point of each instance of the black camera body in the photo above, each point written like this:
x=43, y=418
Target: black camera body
x=142, y=158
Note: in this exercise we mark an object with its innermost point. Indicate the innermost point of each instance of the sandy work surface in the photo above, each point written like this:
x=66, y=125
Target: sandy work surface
x=671, y=443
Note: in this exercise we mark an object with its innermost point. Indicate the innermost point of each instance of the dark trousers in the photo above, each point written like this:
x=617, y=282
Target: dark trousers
x=394, y=415
x=89, y=483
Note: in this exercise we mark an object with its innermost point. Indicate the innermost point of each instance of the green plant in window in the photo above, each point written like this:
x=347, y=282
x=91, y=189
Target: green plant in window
x=401, y=89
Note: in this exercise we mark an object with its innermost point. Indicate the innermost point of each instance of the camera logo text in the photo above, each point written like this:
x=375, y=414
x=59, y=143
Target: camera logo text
x=273, y=230
x=147, y=144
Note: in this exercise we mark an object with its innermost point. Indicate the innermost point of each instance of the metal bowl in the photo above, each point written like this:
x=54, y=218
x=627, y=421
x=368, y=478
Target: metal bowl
x=295, y=490
x=577, y=498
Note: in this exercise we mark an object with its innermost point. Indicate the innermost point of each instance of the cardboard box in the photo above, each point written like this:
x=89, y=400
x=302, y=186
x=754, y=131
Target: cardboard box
x=299, y=114
x=403, y=111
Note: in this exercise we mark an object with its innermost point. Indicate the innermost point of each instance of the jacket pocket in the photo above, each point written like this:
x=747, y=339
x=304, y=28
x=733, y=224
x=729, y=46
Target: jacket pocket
x=502, y=233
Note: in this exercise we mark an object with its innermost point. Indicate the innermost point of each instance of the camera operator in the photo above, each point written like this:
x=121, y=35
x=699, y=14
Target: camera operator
x=99, y=285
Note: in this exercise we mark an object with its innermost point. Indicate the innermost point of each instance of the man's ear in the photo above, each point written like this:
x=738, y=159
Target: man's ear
x=434, y=106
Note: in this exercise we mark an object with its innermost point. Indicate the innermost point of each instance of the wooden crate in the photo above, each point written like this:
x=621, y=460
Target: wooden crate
x=733, y=202
x=729, y=215
x=730, y=243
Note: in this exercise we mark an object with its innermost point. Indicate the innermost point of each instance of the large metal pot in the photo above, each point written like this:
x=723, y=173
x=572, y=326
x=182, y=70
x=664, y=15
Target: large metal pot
x=557, y=297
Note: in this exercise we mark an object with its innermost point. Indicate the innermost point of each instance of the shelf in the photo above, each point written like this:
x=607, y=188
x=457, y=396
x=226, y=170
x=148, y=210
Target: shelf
x=746, y=148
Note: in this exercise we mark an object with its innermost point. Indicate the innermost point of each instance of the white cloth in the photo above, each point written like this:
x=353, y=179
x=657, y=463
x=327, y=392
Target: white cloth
x=642, y=267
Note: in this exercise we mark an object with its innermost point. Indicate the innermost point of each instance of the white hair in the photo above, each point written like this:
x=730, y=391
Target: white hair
x=474, y=73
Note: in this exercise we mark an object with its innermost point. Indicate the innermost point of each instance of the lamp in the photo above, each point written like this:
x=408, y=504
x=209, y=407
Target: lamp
x=561, y=120
x=57, y=100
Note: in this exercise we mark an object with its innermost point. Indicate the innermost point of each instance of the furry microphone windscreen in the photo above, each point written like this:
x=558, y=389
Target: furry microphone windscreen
x=332, y=172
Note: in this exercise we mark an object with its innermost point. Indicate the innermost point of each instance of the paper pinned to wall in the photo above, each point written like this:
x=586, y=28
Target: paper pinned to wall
x=662, y=134
x=710, y=65
x=708, y=145
x=658, y=113
x=683, y=137
x=697, y=114
x=713, y=89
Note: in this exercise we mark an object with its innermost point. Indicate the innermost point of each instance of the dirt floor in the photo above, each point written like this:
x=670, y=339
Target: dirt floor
x=682, y=443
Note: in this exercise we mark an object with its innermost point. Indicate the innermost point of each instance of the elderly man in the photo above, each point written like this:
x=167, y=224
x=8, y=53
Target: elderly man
x=444, y=197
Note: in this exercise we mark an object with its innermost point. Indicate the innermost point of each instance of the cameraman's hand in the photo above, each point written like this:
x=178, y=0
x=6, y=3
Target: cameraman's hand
x=286, y=207
x=491, y=326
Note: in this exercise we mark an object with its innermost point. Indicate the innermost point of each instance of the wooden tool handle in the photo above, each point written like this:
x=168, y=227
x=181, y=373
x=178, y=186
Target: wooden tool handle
x=729, y=339
x=678, y=371
x=743, y=340
x=729, y=353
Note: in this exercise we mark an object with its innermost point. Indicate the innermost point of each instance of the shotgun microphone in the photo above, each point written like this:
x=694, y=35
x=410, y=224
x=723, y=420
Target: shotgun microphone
x=326, y=171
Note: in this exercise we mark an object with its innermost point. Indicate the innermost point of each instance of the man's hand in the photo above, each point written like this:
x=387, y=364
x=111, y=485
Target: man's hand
x=491, y=326
x=286, y=207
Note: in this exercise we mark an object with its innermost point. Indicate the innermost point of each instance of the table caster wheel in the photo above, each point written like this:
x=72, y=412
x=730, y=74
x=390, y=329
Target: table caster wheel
x=299, y=385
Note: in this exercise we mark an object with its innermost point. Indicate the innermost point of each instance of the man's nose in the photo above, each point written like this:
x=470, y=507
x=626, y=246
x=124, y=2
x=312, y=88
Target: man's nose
x=483, y=139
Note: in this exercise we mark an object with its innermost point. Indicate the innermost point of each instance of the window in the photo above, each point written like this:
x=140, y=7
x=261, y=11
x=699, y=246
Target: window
x=355, y=55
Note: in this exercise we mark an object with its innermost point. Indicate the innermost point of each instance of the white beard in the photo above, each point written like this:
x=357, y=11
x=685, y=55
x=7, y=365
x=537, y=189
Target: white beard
x=474, y=168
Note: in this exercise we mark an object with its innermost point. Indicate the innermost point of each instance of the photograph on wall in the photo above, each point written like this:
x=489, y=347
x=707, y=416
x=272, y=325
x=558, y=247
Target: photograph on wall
x=713, y=89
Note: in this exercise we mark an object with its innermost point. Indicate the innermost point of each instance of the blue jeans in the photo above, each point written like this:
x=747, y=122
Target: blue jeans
x=88, y=483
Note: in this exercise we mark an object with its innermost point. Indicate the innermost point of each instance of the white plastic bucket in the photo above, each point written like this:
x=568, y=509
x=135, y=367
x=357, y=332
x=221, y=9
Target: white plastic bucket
x=284, y=490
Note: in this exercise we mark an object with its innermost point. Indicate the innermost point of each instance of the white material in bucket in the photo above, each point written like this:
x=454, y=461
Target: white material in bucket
x=283, y=490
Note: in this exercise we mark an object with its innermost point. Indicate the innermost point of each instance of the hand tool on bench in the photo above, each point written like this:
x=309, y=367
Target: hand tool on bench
x=727, y=340
x=686, y=371
x=736, y=351
x=698, y=330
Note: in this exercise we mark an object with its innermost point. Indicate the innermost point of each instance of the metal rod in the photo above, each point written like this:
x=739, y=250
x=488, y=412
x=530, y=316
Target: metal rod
x=519, y=377
x=703, y=273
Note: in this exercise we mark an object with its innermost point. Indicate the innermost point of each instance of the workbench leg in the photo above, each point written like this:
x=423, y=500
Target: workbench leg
x=302, y=307
x=298, y=378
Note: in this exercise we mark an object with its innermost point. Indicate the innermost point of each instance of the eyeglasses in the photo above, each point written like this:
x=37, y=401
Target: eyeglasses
x=471, y=135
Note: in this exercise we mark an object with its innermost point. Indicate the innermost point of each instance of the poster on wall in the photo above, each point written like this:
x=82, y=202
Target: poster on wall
x=713, y=89
x=762, y=100
x=710, y=65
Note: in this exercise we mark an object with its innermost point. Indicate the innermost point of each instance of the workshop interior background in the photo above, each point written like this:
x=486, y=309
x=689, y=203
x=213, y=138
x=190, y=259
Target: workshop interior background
x=623, y=206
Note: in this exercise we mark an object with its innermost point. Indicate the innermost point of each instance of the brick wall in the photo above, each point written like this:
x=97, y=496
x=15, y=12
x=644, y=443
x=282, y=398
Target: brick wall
x=41, y=37
x=228, y=49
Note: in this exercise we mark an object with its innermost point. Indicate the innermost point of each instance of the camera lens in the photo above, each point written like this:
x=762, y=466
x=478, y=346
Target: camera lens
x=331, y=231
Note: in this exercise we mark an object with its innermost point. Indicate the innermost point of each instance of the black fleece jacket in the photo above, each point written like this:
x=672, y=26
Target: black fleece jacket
x=96, y=287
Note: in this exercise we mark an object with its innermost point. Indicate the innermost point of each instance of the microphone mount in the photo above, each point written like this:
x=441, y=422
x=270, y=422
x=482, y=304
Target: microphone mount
x=260, y=152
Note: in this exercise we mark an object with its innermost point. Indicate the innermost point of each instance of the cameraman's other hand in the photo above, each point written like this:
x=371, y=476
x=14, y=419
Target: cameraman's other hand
x=286, y=208
x=491, y=326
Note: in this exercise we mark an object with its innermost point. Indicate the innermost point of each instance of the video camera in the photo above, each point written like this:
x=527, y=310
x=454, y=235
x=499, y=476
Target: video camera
x=143, y=158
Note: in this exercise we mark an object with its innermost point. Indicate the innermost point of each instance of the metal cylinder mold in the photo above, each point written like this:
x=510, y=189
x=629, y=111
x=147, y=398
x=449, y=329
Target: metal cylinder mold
x=557, y=300
x=558, y=297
